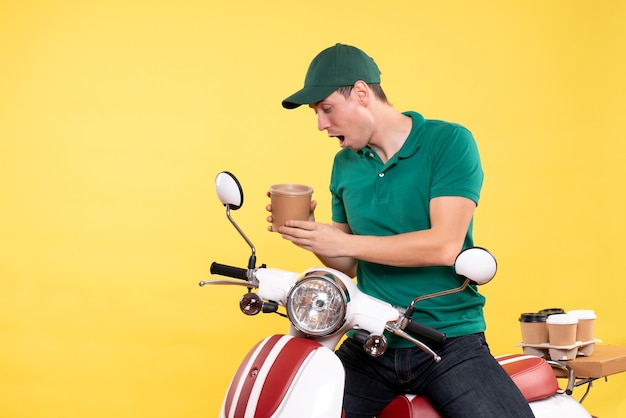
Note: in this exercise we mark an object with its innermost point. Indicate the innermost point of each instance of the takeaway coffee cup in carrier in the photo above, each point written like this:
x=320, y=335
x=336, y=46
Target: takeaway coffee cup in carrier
x=586, y=324
x=534, y=328
x=562, y=334
x=562, y=329
x=585, y=332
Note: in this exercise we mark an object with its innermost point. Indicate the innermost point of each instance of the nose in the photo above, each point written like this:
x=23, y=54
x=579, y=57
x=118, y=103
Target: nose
x=322, y=122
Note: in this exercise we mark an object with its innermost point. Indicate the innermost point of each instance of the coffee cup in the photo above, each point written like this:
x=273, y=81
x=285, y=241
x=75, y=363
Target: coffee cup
x=290, y=202
x=562, y=329
x=586, y=324
x=533, y=327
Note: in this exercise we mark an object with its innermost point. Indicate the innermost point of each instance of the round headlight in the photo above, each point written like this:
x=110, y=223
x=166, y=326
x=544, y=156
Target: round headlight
x=317, y=304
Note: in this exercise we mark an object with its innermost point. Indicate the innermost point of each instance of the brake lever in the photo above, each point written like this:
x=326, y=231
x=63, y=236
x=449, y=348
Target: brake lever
x=400, y=333
x=227, y=283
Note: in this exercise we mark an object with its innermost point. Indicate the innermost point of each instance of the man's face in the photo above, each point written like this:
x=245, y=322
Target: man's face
x=343, y=118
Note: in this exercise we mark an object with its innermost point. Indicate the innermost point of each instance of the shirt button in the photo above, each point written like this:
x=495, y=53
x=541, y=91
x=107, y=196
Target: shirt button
x=381, y=174
x=371, y=155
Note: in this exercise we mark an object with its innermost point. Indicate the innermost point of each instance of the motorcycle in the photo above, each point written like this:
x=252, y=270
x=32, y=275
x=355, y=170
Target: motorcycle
x=298, y=374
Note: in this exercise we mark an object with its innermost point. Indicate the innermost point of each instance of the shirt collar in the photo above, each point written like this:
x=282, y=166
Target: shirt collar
x=412, y=142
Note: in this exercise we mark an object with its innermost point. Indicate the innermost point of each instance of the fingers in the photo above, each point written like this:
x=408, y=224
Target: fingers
x=269, y=219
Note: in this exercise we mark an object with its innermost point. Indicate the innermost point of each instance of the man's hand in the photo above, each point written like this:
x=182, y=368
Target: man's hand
x=322, y=239
x=328, y=242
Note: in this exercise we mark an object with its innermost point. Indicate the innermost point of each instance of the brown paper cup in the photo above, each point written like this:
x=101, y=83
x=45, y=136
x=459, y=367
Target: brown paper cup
x=562, y=329
x=533, y=327
x=586, y=324
x=290, y=202
x=586, y=330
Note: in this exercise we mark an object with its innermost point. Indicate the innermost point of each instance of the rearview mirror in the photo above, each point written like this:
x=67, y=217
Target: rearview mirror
x=476, y=264
x=229, y=190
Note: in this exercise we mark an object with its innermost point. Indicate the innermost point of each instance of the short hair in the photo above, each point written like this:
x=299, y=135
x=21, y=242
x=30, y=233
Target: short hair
x=375, y=87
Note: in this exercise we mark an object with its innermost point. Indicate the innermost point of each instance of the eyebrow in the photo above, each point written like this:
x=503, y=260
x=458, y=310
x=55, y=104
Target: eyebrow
x=316, y=104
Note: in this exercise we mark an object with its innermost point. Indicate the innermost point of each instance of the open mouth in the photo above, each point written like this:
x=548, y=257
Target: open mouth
x=341, y=139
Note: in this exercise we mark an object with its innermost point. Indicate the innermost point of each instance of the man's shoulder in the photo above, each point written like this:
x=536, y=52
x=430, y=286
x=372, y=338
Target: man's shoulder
x=347, y=154
x=444, y=125
x=436, y=127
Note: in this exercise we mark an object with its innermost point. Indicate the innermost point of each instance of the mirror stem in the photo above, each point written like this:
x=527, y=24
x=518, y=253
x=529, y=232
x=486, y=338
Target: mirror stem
x=411, y=308
x=252, y=260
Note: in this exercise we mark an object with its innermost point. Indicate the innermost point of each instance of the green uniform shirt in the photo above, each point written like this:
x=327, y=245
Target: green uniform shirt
x=437, y=159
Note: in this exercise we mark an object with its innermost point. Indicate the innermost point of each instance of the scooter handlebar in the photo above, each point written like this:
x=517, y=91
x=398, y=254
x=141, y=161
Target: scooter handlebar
x=229, y=271
x=422, y=332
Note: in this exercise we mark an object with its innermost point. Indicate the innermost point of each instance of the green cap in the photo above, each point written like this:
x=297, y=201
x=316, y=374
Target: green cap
x=338, y=66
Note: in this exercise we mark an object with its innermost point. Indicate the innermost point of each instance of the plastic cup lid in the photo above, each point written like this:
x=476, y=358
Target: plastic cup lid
x=562, y=319
x=583, y=313
x=552, y=311
x=533, y=317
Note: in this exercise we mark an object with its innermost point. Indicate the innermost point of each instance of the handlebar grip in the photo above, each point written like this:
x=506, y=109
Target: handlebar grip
x=422, y=332
x=229, y=271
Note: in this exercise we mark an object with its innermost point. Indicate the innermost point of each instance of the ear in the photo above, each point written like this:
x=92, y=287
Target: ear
x=362, y=92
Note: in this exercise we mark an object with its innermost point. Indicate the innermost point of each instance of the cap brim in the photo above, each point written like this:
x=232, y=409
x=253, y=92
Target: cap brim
x=308, y=95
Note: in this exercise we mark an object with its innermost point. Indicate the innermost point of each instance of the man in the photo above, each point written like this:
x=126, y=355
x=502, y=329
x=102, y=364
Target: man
x=404, y=190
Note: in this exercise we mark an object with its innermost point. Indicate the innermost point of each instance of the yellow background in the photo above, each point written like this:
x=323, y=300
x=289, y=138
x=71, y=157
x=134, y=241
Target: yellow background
x=116, y=115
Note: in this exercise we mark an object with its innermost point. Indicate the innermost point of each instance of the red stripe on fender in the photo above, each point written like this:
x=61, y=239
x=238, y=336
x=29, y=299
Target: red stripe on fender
x=282, y=373
x=250, y=378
